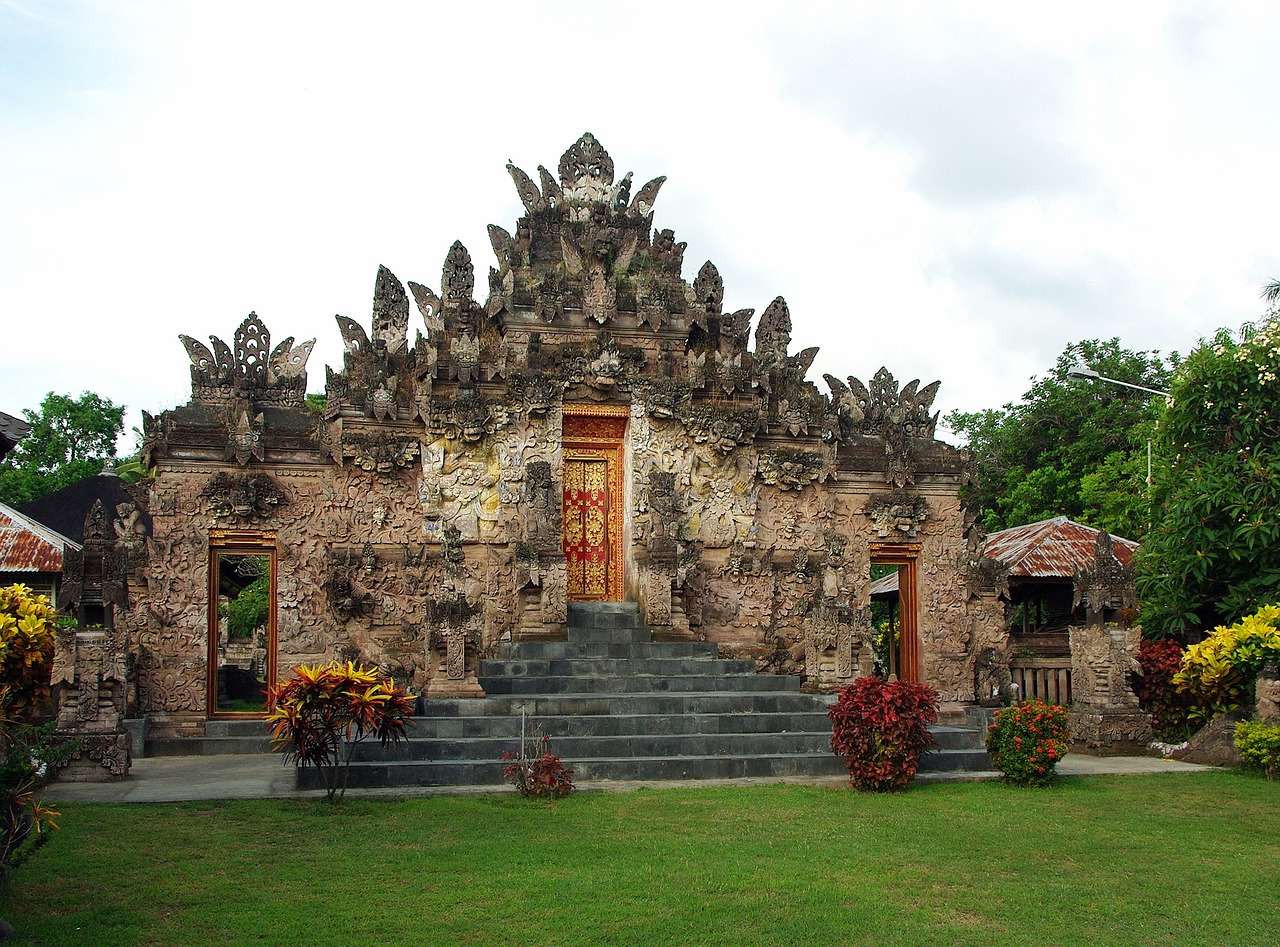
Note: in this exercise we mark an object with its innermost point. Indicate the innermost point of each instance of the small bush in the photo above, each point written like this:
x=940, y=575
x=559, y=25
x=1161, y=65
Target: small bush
x=324, y=708
x=880, y=728
x=537, y=772
x=26, y=647
x=1259, y=746
x=1158, y=694
x=1218, y=673
x=1026, y=742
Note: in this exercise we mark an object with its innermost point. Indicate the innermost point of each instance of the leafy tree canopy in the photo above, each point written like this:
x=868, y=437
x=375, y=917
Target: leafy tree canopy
x=70, y=438
x=1213, y=555
x=1070, y=448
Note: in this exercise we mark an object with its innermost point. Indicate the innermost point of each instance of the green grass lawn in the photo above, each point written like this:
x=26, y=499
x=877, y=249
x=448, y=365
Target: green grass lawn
x=1189, y=859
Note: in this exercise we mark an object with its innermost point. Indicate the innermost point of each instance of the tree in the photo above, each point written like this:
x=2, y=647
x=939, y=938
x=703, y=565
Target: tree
x=1213, y=555
x=70, y=439
x=1070, y=448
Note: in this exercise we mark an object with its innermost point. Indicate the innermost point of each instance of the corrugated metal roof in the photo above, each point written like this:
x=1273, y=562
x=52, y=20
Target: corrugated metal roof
x=1051, y=548
x=26, y=546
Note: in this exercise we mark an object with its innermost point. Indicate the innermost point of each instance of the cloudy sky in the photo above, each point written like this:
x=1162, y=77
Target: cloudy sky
x=956, y=191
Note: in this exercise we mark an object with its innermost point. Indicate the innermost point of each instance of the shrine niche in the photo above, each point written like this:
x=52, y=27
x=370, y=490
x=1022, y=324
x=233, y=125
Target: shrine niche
x=597, y=428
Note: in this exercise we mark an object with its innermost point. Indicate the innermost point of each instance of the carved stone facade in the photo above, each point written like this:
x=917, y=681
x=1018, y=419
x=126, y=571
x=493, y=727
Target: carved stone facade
x=597, y=428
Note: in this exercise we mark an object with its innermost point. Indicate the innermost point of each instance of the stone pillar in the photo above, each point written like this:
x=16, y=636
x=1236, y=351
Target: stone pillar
x=89, y=691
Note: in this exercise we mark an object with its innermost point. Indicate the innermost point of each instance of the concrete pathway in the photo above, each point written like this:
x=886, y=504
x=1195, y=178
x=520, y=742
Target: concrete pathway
x=264, y=776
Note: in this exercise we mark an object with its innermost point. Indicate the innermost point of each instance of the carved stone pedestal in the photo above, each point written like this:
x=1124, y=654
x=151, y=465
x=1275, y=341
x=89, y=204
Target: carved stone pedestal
x=1105, y=712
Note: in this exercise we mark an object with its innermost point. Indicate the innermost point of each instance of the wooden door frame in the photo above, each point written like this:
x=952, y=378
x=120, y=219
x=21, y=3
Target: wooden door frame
x=247, y=543
x=906, y=557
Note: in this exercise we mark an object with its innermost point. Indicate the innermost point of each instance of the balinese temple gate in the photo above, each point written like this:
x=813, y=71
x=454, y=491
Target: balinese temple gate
x=597, y=429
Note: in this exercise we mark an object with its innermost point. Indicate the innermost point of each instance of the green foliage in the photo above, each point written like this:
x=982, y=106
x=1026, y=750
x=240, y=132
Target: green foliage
x=324, y=710
x=1026, y=742
x=1214, y=553
x=26, y=656
x=880, y=728
x=26, y=647
x=1219, y=672
x=1070, y=448
x=1259, y=746
x=69, y=440
x=248, y=611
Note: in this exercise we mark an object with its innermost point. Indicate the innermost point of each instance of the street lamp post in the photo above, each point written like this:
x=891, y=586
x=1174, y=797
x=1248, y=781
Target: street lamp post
x=1083, y=372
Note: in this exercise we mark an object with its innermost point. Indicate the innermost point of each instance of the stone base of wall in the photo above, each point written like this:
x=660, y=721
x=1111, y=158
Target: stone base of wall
x=1107, y=730
x=99, y=758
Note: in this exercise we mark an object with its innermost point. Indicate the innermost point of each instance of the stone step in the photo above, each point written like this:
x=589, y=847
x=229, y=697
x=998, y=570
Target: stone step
x=208, y=746
x=639, y=684
x=611, y=634
x=555, y=650
x=958, y=738
x=687, y=702
x=613, y=667
x=590, y=747
x=480, y=773
x=508, y=728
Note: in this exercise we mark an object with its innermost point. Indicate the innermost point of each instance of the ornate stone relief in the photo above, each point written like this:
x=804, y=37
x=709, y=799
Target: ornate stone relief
x=278, y=377
x=794, y=469
x=897, y=515
x=1105, y=583
x=246, y=499
x=379, y=452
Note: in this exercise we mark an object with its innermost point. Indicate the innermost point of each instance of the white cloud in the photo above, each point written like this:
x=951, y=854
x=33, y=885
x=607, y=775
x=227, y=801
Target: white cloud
x=957, y=192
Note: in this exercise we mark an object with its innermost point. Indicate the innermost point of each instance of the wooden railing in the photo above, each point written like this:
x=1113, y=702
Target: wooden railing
x=1047, y=679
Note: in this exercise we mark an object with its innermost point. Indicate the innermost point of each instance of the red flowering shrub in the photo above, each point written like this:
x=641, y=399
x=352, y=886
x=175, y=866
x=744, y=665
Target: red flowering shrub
x=1158, y=694
x=880, y=728
x=1027, y=741
x=539, y=774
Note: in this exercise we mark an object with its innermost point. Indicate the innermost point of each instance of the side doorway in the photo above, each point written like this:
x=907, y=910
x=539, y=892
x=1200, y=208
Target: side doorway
x=242, y=623
x=903, y=647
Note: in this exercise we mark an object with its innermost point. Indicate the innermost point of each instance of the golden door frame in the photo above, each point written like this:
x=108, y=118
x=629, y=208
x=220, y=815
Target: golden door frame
x=235, y=542
x=597, y=432
x=906, y=557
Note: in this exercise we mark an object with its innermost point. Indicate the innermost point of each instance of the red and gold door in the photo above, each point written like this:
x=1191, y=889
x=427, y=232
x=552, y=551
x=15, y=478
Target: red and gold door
x=593, y=503
x=586, y=527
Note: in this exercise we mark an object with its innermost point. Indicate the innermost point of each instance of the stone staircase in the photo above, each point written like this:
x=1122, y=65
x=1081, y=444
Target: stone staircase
x=619, y=706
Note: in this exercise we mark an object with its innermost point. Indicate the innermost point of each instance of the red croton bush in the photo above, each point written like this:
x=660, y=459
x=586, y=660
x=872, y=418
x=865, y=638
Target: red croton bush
x=1158, y=694
x=880, y=728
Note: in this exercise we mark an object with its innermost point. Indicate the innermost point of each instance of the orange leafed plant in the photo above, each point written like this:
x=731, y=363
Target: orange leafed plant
x=320, y=713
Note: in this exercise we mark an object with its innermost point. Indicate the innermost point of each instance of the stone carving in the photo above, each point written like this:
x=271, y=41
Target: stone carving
x=90, y=663
x=897, y=515
x=244, y=499
x=793, y=469
x=1267, y=693
x=252, y=370
x=1105, y=583
x=379, y=453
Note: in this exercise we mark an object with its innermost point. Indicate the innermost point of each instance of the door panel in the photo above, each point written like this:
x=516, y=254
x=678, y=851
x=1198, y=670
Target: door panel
x=586, y=527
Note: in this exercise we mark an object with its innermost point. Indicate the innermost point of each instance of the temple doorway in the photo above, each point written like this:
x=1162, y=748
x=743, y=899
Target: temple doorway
x=592, y=504
x=894, y=571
